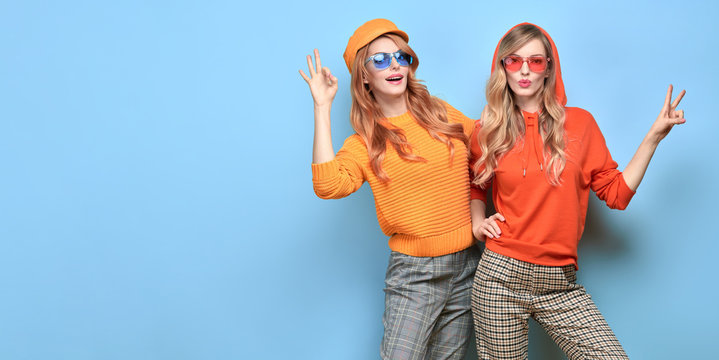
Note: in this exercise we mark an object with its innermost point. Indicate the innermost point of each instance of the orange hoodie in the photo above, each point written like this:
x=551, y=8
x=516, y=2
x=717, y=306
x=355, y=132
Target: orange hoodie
x=545, y=222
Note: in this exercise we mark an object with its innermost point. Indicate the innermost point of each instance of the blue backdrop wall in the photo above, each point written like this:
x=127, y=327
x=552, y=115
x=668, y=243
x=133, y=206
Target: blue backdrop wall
x=156, y=198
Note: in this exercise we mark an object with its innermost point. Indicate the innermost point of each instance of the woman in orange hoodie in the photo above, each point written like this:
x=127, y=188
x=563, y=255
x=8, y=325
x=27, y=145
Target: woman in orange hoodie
x=411, y=149
x=540, y=159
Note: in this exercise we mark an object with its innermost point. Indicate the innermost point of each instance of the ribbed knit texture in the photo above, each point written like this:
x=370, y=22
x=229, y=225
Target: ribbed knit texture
x=424, y=208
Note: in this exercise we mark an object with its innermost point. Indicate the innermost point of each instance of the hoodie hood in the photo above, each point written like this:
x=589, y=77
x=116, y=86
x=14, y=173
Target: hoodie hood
x=559, y=84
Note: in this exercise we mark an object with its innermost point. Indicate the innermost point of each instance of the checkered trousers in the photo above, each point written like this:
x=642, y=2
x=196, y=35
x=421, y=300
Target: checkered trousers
x=507, y=292
x=427, y=311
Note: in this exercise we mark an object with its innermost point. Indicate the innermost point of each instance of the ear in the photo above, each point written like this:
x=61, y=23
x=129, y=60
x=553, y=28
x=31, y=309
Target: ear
x=364, y=79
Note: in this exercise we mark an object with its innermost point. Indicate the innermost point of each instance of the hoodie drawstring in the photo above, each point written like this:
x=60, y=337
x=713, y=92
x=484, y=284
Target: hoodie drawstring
x=531, y=139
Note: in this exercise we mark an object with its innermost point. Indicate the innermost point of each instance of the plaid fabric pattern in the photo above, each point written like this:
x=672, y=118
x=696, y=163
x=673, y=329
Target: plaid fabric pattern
x=507, y=292
x=427, y=306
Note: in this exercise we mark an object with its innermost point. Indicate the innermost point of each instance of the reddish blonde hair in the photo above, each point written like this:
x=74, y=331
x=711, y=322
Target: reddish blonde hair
x=368, y=121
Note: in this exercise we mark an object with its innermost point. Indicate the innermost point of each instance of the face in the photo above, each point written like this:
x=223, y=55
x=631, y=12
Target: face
x=526, y=84
x=390, y=82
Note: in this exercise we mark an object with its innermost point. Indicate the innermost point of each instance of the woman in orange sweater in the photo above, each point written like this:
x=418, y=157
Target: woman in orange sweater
x=411, y=149
x=541, y=159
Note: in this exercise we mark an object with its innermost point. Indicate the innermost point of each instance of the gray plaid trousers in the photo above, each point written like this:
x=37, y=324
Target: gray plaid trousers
x=507, y=292
x=428, y=306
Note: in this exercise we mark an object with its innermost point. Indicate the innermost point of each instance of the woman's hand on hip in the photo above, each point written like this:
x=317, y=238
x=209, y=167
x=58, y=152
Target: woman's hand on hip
x=488, y=227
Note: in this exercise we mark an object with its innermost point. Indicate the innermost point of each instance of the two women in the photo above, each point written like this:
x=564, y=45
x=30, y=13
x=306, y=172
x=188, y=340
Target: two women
x=540, y=159
x=411, y=148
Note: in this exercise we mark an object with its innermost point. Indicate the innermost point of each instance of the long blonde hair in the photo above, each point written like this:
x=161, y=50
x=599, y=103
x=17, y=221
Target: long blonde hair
x=368, y=121
x=503, y=124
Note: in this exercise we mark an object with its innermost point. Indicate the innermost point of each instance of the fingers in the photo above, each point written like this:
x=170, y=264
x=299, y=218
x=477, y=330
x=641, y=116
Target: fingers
x=309, y=65
x=498, y=216
x=302, y=73
x=679, y=119
x=678, y=99
x=490, y=228
x=668, y=98
x=327, y=74
x=317, y=60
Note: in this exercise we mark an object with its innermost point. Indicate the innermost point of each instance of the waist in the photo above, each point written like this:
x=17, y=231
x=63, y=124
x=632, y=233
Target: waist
x=433, y=245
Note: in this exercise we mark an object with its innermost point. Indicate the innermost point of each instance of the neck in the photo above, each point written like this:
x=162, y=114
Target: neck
x=392, y=106
x=529, y=104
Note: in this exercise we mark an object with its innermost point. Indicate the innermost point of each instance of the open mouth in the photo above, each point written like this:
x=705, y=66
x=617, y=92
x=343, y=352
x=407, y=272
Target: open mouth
x=395, y=78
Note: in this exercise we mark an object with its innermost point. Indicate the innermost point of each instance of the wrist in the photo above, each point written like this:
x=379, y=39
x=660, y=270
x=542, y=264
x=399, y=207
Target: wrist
x=323, y=106
x=652, y=139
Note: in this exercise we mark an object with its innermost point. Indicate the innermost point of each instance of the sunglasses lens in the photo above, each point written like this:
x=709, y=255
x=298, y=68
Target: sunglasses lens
x=537, y=64
x=381, y=61
x=403, y=58
x=512, y=63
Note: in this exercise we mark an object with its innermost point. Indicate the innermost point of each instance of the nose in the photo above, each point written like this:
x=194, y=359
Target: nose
x=525, y=68
x=393, y=63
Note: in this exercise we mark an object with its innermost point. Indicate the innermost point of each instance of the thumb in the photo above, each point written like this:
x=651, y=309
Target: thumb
x=326, y=72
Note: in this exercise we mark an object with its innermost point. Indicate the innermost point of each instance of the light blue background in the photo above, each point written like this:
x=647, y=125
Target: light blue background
x=156, y=198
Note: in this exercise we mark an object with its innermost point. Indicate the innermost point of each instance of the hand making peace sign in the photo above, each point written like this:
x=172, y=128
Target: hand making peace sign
x=668, y=117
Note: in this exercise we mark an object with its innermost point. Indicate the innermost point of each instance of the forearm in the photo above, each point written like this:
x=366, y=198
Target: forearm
x=634, y=172
x=478, y=210
x=322, y=150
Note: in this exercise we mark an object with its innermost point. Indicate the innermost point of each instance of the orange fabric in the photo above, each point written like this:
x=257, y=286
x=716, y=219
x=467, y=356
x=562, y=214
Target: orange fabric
x=365, y=34
x=424, y=208
x=544, y=222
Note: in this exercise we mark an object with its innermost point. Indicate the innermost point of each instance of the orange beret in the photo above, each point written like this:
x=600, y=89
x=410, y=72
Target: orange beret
x=365, y=34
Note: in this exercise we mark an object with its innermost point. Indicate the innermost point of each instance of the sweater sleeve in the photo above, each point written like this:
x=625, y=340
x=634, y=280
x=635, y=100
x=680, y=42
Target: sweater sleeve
x=341, y=176
x=476, y=191
x=605, y=179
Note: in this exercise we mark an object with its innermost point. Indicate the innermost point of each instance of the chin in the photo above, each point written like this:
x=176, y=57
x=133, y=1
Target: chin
x=394, y=92
x=528, y=92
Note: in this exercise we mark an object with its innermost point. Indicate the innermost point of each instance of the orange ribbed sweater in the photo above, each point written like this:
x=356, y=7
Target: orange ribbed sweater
x=424, y=208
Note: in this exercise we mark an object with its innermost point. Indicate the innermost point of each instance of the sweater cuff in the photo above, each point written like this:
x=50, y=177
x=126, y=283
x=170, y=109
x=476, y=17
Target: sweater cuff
x=325, y=170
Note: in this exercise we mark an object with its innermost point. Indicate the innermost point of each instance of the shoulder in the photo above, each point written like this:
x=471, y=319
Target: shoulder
x=456, y=116
x=355, y=143
x=474, y=146
x=580, y=124
x=453, y=114
x=577, y=114
x=578, y=119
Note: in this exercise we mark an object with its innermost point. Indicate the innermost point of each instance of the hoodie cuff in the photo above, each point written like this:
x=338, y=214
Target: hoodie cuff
x=625, y=194
x=477, y=193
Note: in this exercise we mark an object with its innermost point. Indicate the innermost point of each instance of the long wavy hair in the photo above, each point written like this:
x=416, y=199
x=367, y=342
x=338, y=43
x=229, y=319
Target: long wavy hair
x=503, y=125
x=369, y=122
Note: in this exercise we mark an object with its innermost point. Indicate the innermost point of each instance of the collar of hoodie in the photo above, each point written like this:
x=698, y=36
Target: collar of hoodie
x=532, y=139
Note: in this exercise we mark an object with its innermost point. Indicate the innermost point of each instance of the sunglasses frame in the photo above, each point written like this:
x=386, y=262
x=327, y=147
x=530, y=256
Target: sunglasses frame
x=527, y=60
x=394, y=55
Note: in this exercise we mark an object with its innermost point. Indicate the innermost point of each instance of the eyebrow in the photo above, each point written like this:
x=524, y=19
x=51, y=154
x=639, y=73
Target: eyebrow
x=515, y=54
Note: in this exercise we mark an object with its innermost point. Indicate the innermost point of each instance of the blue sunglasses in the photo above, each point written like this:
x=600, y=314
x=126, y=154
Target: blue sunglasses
x=383, y=60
